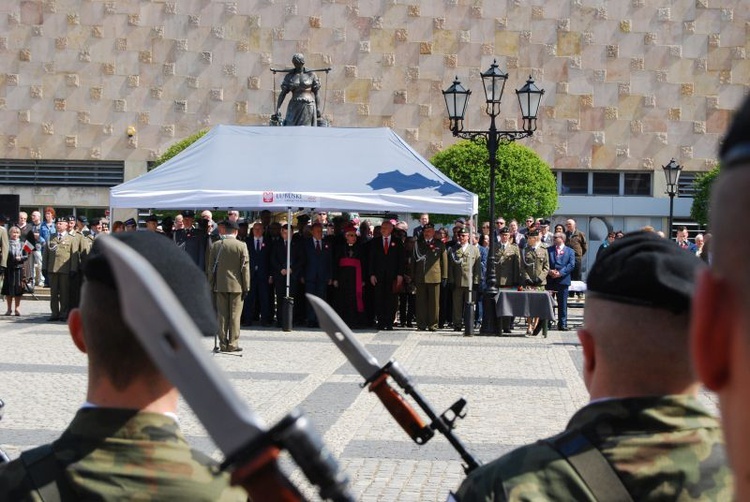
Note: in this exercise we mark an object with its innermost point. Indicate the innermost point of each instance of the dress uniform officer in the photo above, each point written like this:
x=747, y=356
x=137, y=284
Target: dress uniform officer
x=534, y=270
x=464, y=273
x=229, y=279
x=60, y=261
x=507, y=269
x=430, y=270
x=82, y=242
x=644, y=435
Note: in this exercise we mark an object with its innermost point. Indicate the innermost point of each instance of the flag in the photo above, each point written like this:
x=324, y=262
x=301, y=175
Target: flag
x=28, y=247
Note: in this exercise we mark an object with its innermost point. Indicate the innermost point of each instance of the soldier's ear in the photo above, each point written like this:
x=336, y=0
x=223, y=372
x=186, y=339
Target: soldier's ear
x=589, y=354
x=75, y=326
x=716, y=320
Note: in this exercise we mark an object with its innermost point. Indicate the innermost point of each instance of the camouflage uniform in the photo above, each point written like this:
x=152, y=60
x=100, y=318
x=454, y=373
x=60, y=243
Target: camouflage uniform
x=119, y=454
x=662, y=448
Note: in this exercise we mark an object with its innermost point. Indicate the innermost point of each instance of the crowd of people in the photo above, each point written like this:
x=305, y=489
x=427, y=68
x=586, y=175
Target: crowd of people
x=659, y=323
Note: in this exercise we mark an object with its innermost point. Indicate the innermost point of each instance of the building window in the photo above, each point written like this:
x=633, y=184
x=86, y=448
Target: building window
x=637, y=184
x=573, y=183
x=606, y=184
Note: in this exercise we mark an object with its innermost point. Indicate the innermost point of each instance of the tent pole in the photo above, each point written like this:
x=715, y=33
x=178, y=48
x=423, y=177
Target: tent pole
x=287, y=309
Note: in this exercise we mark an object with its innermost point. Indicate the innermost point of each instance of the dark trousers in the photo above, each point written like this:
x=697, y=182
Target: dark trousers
x=316, y=288
x=562, y=305
x=385, y=304
x=258, y=301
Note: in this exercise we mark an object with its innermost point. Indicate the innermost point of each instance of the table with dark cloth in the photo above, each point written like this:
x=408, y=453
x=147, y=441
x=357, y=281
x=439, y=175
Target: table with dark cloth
x=514, y=303
x=524, y=304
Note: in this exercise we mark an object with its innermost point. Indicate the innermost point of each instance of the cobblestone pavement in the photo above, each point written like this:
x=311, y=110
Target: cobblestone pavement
x=518, y=390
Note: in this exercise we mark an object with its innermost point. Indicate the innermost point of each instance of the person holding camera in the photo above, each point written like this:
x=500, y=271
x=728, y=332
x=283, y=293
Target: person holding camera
x=534, y=269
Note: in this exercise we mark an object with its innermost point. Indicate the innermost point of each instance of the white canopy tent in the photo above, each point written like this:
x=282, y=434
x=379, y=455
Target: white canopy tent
x=346, y=169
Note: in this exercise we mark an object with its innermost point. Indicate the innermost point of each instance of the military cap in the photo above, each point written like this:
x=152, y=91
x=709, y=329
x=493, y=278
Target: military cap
x=61, y=219
x=188, y=213
x=152, y=217
x=82, y=219
x=130, y=222
x=505, y=230
x=95, y=221
x=186, y=280
x=533, y=233
x=232, y=225
x=463, y=231
x=428, y=225
x=71, y=217
x=646, y=270
x=545, y=223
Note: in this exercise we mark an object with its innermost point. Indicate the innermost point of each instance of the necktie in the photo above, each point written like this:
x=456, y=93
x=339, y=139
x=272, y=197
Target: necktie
x=257, y=244
x=317, y=245
x=385, y=245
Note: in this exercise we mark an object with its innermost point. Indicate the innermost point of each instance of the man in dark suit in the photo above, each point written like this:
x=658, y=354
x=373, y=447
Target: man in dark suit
x=260, y=279
x=280, y=270
x=318, y=261
x=386, y=274
x=562, y=261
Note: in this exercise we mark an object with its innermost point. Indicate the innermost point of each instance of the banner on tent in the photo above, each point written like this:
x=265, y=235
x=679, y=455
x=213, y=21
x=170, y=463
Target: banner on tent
x=291, y=198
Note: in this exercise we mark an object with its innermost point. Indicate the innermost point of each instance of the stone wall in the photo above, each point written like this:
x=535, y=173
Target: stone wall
x=629, y=83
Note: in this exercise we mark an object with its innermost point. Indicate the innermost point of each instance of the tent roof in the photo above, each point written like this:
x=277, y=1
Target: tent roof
x=347, y=169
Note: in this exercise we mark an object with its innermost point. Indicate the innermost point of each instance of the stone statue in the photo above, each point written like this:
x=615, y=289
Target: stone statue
x=304, y=107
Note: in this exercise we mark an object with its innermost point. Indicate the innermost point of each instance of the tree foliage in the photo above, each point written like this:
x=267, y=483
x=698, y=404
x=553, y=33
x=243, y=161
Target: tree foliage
x=701, y=199
x=524, y=182
x=177, y=148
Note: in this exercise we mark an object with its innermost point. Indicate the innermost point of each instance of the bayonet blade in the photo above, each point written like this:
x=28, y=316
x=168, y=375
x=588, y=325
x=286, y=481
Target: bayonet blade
x=335, y=327
x=172, y=340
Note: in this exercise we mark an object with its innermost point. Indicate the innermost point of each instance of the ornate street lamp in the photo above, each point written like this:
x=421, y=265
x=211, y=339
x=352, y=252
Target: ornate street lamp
x=456, y=100
x=672, y=175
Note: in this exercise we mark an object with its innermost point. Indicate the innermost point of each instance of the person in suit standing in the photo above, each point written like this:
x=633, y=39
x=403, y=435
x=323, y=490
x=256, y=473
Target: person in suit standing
x=562, y=262
x=464, y=272
x=280, y=269
x=430, y=270
x=229, y=277
x=318, y=263
x=259, y=248
x=386, y=274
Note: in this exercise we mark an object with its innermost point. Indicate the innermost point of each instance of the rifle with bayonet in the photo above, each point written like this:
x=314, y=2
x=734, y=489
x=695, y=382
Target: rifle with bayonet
x=251, y=449
x=377, y=378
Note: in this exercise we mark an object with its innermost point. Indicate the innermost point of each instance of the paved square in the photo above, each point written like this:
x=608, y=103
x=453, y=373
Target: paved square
x=518, y=390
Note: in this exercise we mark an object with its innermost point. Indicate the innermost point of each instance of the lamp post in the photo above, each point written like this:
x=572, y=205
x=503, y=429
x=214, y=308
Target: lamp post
x=672, y=174
x=456, y=101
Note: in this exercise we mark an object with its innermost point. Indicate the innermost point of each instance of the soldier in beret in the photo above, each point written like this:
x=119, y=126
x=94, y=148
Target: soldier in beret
x=644, y=435
x=125, y=442
x=721, y=319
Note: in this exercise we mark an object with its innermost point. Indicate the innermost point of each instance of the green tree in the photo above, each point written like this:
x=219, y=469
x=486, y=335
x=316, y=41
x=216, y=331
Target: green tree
x=177, y=148
x=702, y=186
x=524, y=182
